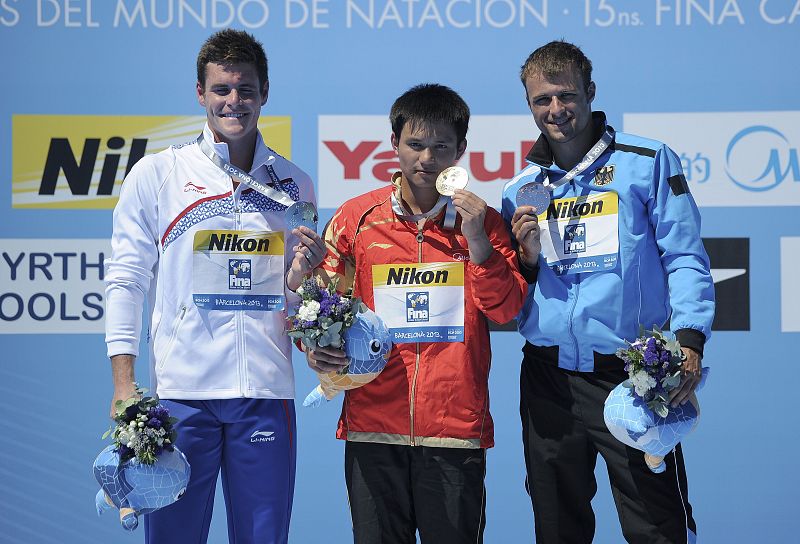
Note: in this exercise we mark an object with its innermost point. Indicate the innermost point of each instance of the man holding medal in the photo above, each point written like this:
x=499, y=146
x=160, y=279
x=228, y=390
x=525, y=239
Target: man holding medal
x=609, y=239
x=434, y=262
x=208, y=231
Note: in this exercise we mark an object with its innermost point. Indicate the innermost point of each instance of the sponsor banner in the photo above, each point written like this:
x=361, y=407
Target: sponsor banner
x=421, y=302
x=238, y=270
x=79, y=161
x=579, y=235
x=790, y=289
x=52, y=286
x=356, y=156
x=731, y=159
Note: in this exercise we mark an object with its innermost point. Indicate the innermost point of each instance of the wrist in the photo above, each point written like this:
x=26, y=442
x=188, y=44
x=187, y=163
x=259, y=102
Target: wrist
x=527, y=260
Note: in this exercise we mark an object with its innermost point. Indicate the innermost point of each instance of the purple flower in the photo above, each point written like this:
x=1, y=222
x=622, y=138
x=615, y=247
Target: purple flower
x=158, y=412
x=311, y=288
x=131, y=412
x=651, y=352
x=326, y=305
x=154, y=423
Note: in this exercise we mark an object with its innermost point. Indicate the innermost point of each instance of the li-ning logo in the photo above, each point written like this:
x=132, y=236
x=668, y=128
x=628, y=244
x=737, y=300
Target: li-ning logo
x=575, y=238
x=193, y=188
x=417, y=306
x=604, y=175
x=239, y=273
x=262, y=436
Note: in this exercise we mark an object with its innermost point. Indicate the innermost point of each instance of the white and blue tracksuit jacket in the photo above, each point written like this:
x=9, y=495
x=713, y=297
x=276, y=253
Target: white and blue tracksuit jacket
x=659, y=271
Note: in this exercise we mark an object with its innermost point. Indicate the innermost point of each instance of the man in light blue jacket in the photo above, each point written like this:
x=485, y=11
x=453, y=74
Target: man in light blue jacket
x=616, y=246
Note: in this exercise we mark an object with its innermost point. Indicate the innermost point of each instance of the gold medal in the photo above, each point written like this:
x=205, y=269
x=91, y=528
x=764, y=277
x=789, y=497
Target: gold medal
x=451, y=179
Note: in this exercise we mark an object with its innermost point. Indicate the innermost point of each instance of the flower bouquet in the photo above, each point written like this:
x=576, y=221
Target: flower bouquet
x=143, y=470
x=327, y=319
x=637, y=411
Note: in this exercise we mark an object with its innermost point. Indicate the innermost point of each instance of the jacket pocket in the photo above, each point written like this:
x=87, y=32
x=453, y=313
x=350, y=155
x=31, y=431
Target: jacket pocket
x=176, y=325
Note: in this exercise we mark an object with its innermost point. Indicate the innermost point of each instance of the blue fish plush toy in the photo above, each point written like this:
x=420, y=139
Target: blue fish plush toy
x=634, y=424
x=367, y=344
x=136, y=488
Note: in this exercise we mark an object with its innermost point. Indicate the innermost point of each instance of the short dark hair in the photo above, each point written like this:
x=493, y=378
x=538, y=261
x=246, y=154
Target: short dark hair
x=231, y=46
x=430, y=103
x=554, y=59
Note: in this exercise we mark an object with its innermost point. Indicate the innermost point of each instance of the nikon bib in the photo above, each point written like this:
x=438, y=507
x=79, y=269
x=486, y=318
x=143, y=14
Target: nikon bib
x=580, y=234
x=420, y=302
x=238, y=270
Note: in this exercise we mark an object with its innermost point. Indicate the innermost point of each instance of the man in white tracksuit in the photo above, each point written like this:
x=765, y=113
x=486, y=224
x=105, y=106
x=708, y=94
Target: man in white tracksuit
x=201, y=231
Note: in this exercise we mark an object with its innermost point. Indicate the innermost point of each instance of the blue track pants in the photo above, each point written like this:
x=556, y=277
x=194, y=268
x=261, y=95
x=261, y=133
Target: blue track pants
x=253, y=443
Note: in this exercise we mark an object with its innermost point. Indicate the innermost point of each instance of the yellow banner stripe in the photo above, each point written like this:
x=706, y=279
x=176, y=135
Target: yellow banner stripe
x=239, y=242
x=418, y=274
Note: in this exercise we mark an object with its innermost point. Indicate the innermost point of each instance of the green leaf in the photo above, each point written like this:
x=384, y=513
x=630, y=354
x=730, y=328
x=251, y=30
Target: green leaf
x=335, y=328
x=107, y=433
x=671, y=382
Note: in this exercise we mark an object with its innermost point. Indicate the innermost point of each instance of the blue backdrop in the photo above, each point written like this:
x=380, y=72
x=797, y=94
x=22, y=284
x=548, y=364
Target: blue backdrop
x=716, y=80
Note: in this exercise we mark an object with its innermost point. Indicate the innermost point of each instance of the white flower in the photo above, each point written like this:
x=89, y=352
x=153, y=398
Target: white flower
x=300, y=290
x=308, y=311
x=642, y=382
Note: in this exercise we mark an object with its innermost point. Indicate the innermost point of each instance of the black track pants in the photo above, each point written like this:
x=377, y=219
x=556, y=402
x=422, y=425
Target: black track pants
x=563, y=431
x=395, y=490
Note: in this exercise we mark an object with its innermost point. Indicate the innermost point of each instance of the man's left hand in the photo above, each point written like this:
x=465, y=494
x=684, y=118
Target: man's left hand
x=472, y=210
x=308, y=255
x=692, y=372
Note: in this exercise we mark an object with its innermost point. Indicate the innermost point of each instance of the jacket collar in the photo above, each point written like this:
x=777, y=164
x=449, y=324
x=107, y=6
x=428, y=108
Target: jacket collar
x=541, y=154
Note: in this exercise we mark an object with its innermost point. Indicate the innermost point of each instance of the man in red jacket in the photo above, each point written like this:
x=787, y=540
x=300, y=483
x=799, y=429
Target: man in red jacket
x=434, y=268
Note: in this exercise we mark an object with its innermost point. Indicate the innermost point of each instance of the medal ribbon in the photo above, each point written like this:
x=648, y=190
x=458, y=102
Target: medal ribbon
x=587, y=160
x=275, y=194
x=449, y=214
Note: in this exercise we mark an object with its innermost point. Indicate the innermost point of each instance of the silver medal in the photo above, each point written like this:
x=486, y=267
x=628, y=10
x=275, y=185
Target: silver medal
x=534, y=194
x=301, y=214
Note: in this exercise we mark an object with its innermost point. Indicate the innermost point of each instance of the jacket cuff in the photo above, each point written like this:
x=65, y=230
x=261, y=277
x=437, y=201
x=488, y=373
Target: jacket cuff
x=691, y=338
x=121, y=347
x=493, y=260
x=530, y=274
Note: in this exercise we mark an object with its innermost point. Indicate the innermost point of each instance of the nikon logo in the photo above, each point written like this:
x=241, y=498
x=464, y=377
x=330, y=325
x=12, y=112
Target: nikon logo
x=78, y=173
x=233, y=243
x=563, y=210
x=411, y=276
x=79, y=161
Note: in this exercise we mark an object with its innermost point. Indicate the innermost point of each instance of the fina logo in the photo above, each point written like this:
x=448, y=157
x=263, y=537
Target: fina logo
x=239, y=274
x=417, y=306
x=262, y=436
x=761, y=147
x=575, y=238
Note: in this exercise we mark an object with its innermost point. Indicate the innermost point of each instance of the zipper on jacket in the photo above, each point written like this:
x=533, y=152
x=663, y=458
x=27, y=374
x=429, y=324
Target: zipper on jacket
x=420, y=239
x=176, y=324
x=575, y=302
x=241, y=362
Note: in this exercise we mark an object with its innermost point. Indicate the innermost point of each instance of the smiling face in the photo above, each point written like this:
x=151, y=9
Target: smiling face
x=232, y=97
x=424, y=150
x=561, y=107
